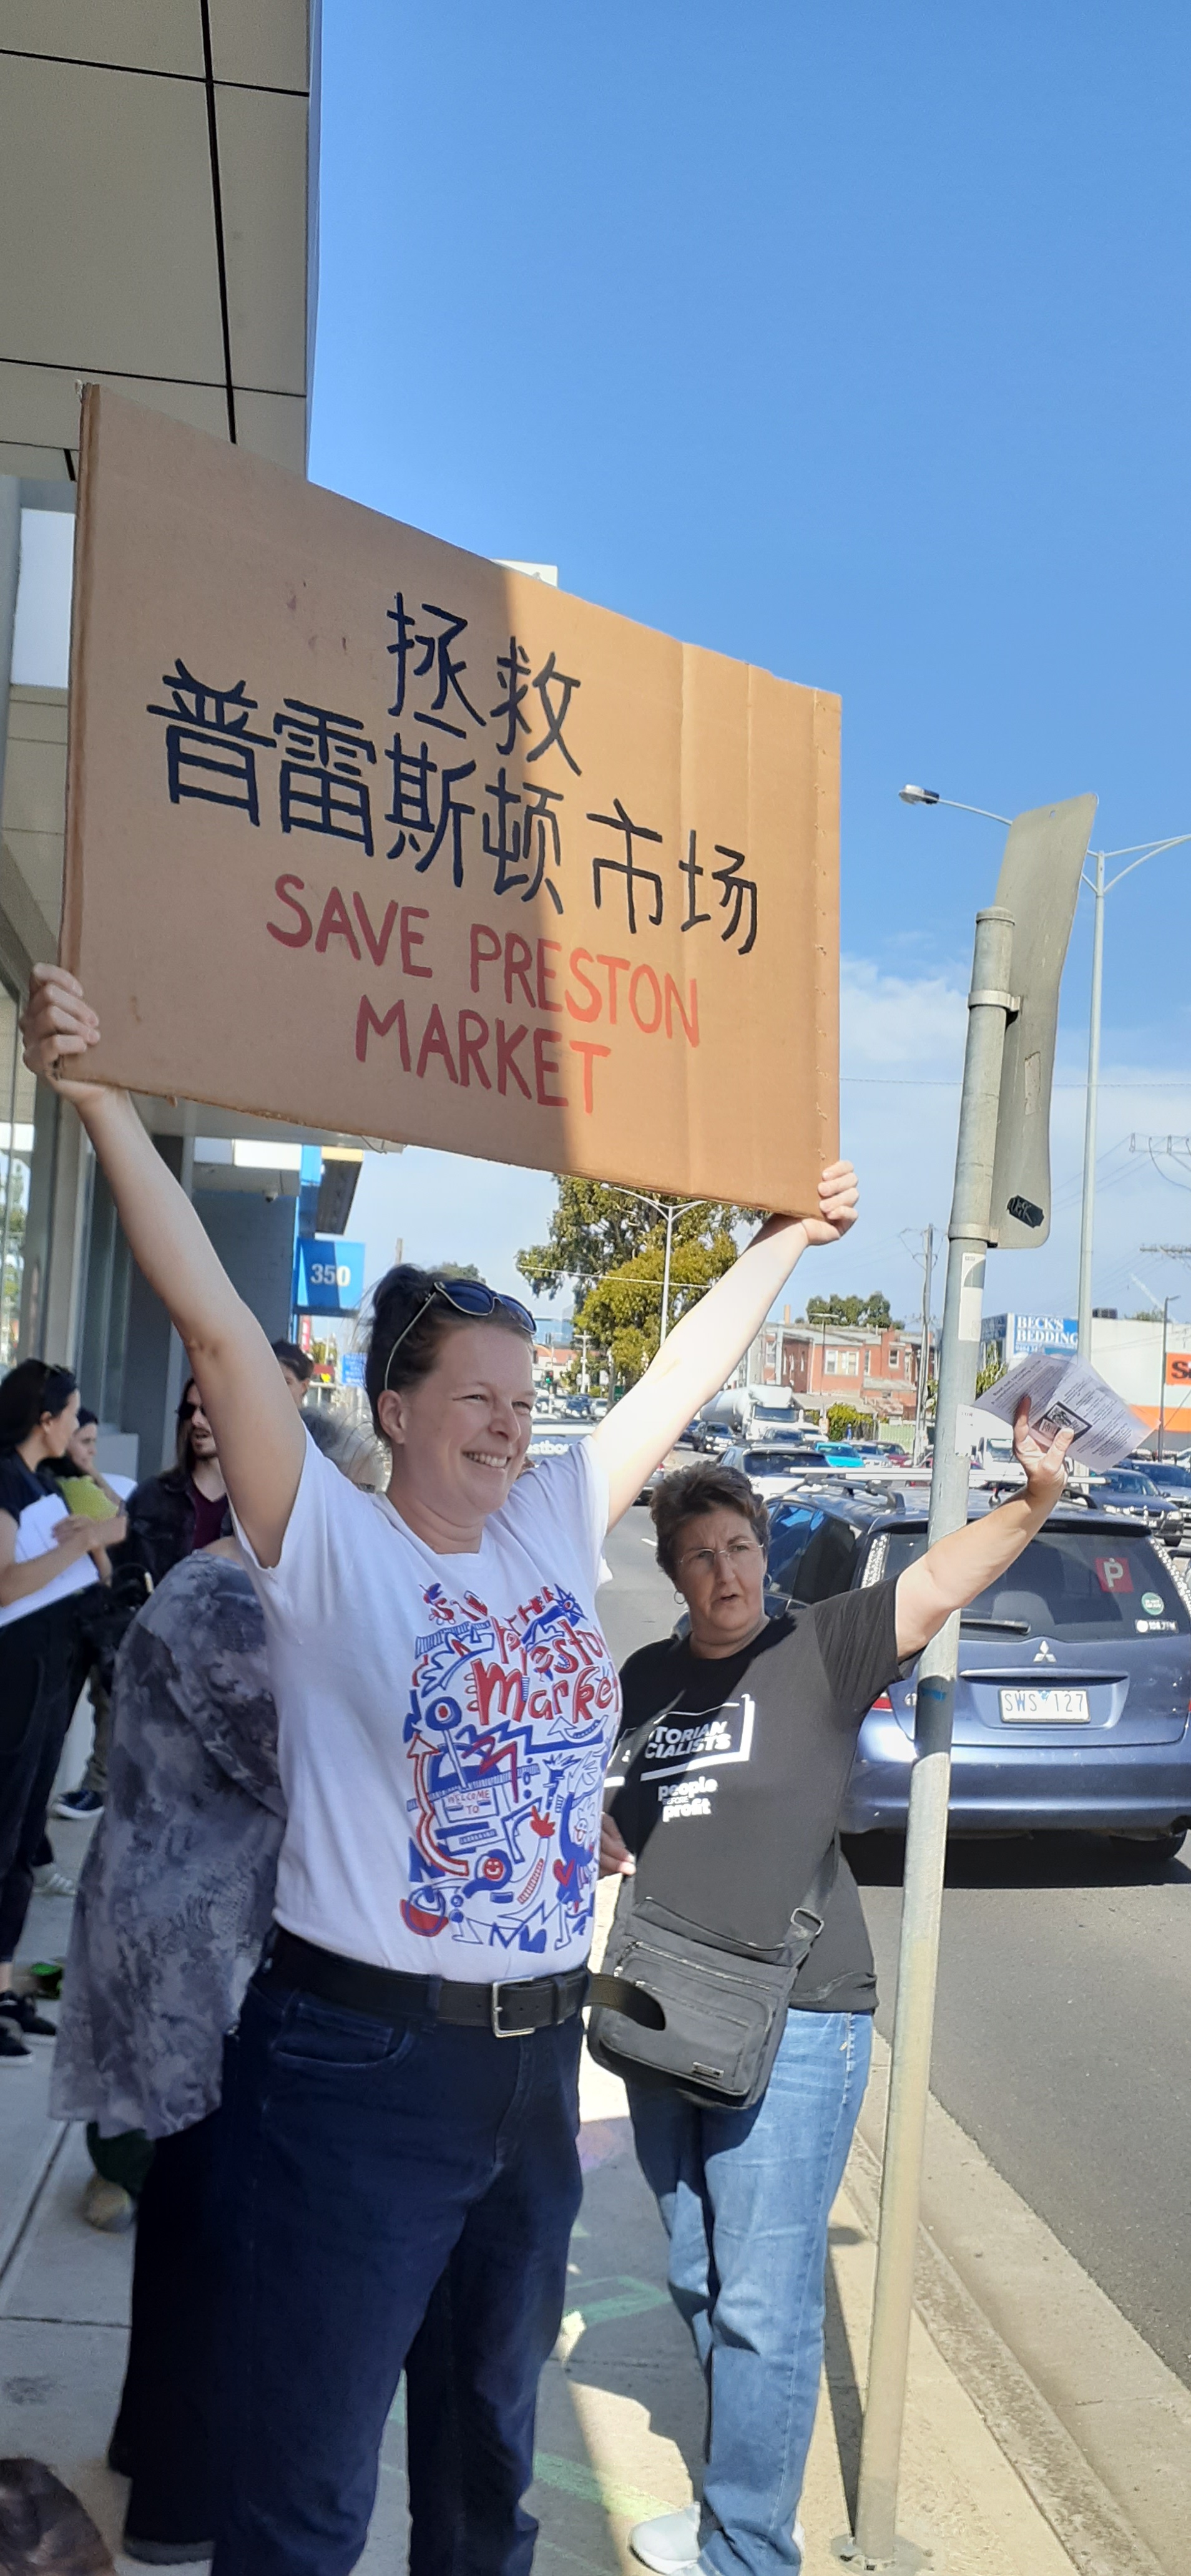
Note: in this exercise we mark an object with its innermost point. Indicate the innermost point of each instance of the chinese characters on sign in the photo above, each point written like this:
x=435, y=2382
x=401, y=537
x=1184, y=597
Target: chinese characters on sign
x=491, y=868
x=322, y=782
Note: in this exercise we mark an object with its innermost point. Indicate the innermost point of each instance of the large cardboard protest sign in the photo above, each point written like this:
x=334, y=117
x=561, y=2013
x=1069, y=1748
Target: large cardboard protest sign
x=372, y=834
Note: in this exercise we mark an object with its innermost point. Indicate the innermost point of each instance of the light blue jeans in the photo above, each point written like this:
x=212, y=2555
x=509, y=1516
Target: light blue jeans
x=746, y=2197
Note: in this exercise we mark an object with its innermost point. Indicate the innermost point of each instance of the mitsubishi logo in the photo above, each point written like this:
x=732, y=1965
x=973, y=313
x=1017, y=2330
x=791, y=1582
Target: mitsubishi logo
x=1045, y=1654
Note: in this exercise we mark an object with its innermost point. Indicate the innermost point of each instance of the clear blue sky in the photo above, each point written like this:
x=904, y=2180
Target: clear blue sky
x=853, y=341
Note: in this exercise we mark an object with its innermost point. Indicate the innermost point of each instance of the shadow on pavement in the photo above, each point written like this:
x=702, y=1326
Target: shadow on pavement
x=1021, y=1860
x=843, y=2385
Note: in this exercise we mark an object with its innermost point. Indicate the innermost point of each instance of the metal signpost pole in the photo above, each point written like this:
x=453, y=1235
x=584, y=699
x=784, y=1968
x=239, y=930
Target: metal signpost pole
x=989, y=1005
x=1088, y=1211
x=1162, y=1388
x=1002, y=1195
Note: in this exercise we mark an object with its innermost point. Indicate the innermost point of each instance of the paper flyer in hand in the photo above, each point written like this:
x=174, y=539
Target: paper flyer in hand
x=1067, y=1395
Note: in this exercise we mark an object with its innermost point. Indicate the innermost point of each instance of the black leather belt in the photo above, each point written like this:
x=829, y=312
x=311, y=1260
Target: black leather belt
x=513, y=2010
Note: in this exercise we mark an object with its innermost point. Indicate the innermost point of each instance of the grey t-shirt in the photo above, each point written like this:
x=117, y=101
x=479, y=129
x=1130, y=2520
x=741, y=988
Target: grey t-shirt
x=732, y=1800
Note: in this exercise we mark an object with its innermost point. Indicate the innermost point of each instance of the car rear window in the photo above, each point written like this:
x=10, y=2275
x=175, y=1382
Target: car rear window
x=776, y=1462
x=1071, y=1584
x=811, y=1553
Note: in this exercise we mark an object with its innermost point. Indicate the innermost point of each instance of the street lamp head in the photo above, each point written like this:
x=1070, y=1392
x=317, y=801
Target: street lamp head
x=919, y=795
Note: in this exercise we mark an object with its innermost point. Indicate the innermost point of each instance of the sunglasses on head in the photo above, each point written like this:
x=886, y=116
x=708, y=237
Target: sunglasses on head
x=468, y=1297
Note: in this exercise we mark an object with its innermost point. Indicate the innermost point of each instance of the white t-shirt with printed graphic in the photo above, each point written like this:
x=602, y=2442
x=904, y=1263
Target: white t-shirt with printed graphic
x=444, y=1726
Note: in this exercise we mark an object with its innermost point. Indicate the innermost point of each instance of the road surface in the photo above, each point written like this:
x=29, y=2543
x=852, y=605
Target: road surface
x=1063, y=2039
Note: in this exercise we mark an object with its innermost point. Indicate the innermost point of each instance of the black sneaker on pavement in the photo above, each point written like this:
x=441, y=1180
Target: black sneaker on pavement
x=78, y=1802
x=12, y=2046
x=20, y=2013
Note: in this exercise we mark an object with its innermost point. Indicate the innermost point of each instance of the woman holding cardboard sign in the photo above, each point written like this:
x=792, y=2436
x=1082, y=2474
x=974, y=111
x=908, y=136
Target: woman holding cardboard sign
x=406, y=2095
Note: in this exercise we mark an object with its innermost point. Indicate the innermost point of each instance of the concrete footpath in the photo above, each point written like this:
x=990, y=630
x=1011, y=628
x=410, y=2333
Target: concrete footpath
x=992, y=2476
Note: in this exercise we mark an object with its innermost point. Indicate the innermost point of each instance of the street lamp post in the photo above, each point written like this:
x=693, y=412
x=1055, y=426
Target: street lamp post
x=669, y=1213
x=1099, y=886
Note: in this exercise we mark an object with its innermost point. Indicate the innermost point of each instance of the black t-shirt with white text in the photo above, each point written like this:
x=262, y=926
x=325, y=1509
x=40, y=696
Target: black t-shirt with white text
x=733, y=1799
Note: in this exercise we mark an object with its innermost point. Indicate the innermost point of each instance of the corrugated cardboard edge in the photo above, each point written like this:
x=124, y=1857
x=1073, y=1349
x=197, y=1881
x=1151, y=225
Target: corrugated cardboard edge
x=70, y=937
x=827, y=723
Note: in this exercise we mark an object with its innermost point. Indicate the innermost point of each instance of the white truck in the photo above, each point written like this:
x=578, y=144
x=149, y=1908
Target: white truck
x=752, y=1412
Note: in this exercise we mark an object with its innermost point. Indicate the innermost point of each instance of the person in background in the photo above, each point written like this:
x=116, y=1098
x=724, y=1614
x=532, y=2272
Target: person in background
x=46, y=1559
x=297, y=1368
x=746, y=1765
x=186, y=1506
x=84, y=1489
x=175, y=1900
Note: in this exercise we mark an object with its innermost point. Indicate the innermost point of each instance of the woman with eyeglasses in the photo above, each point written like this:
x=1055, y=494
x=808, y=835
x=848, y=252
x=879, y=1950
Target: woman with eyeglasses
x=406, y=2108
x=47, y=1557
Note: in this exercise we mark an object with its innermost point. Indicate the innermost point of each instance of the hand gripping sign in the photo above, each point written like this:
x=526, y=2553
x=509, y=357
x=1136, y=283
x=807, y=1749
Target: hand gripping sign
x=373, y=834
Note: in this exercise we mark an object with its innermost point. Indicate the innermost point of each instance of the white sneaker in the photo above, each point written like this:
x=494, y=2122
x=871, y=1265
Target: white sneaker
x=669, y=2543
x=107, y=2205
x=49, y=1880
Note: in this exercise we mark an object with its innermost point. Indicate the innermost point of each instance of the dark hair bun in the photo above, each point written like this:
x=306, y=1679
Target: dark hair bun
x=44, y=2530
x=408, y=1325
x=399, y=1299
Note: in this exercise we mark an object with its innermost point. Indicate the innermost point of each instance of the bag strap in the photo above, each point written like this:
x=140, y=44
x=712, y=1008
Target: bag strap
x=618, y=1994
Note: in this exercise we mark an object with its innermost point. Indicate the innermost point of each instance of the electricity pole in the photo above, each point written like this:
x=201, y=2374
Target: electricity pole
x=928, y=1272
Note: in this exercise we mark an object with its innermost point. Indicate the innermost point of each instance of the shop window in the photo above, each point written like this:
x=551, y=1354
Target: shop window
x=17, y=1109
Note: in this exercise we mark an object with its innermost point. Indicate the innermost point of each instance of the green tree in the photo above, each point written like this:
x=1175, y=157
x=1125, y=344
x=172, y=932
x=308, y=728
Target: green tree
x=990, y=1375
x=842, y=1419
x=873, y=1313
x=596, y=1228
x=622, y=1312
x=612, y=1248
x=456, y=1270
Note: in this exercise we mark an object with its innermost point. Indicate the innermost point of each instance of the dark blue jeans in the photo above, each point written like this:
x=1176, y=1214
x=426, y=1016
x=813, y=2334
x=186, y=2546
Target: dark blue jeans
x=386, y=2179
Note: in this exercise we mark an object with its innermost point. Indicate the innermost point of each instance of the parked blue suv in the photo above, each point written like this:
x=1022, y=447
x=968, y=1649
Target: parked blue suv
x=1071, y=1709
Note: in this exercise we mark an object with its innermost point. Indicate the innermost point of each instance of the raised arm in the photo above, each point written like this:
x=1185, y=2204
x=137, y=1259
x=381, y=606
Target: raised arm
x=703, y=1349
x=963, y=1565
x=259, y=1437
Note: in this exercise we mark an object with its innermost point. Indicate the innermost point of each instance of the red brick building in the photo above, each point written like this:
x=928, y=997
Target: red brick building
x=826, y=1364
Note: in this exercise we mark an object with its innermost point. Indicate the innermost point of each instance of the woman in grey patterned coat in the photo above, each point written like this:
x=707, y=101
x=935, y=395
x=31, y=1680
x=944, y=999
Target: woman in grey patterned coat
x=175, y=1900
x=175, y=1896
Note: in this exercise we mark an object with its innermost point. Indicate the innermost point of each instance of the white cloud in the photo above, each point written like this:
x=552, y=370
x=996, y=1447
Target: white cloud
x=903, y=1020
x=901, y=1054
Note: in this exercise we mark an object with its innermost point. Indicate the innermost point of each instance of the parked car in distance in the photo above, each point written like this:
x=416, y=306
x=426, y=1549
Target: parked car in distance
x=1136, y=1489
x=1173, y=1481
x=1072, y=1703
x=710, y=1437
x=772, y=1466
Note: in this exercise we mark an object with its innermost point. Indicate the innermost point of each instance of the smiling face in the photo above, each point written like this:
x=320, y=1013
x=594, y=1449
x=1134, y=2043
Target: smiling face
x=720, y=1572
x=459, y=1436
